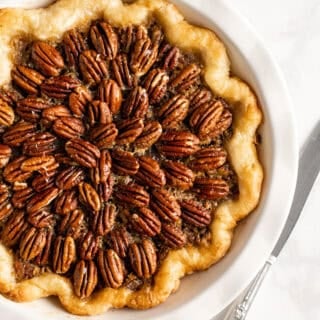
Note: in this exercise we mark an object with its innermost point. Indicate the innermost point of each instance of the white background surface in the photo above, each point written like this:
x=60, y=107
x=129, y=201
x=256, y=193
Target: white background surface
x=291, y=31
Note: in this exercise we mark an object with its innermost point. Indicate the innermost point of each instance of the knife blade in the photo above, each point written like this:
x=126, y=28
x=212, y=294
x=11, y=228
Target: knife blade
x=309, y=166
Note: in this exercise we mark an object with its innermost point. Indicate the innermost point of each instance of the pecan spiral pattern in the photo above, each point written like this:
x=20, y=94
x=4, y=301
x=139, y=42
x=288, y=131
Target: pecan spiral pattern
x=112, y=152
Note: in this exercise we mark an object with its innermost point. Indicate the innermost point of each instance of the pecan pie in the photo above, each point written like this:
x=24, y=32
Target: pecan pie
x=127, y=153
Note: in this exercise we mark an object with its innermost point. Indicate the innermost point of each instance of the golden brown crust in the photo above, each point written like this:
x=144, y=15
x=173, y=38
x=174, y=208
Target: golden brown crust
x=51, y=23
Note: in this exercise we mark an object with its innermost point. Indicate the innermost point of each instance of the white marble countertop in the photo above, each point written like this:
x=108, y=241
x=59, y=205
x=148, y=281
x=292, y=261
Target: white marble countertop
x=291, y=31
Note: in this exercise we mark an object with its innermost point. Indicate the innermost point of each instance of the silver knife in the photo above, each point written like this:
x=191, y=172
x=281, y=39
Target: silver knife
x=309, y=166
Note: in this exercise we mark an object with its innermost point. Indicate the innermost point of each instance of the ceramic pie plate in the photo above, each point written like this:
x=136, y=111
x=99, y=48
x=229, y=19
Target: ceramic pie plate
x=205, y=294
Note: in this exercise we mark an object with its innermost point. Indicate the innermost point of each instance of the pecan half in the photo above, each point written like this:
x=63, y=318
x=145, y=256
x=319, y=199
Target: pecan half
x=51, y=170
x=194, y=213
x=143, y=56
x=5, y=205
x=47, y=173
x=124, y=162
x=14, y=228
x=6, y=114
x=63, y=158
x=74, y=44
x=6, y=209
x=5, y=154
x=130, y=35
x=10, y=96
x=104, y=135
x=169, y=57
x=122, y=73
x=45, y=179
x=64, y=254
x=89, y=196
x=149, y=173
x=53, y=113
x=47, y=58
x=68, y=127
x=59, y=87
x=66, y=202
x=151, y=133
x=178, y=175
x=110, y=92
x=41, y=200
x=143, y=258
x=93, y=67
x=136, y=105
x=41, y=219
x=79, y=99
x=27, y=79
x=4, y=193
x=104, y=39
x=85, y=278
x=103, y=220
x=70, y=225
x=173, y=112
x=178, y=144
x=46, y=166
x=146, y=222
x=44, y=256
x=173, y=236
x=105, y=189
x=208, y=159
x=126, y=38
x=69, y=178
x=156, y=85
x=101, y=172
x=111, y=268
x=83, y=152
x=164, y=204
x=222, y=124
x=129, y=130
x=40, y=144
x=211, y=188
x=40, y=164
x=199, y=97
x=88, y=246
x=99, y=113
x=20, y=198
x=119, y=240
x=32, y=243
x=13, y=172
x=187, y=77
x=204, y=118
x=18, y=133
x=132, y=194
x=30, y=109
x=43, y=182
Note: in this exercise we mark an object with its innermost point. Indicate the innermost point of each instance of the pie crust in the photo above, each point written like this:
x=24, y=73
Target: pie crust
x=51, y=23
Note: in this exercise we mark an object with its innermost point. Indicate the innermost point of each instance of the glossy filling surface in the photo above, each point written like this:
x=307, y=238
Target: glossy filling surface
x=112, y=154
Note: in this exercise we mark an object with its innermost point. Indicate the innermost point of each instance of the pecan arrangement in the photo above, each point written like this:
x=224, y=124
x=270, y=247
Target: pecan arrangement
x=111, y=155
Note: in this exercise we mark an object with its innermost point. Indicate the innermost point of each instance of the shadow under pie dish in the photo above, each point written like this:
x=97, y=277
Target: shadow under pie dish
x=128, y=154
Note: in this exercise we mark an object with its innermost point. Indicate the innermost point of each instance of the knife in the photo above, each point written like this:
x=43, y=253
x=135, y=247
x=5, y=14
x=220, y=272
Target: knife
x=309, y=166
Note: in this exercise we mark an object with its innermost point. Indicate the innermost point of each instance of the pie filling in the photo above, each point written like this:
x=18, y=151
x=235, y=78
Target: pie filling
x=112, y=154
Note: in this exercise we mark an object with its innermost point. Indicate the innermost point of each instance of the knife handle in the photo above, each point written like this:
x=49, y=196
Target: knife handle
x=240, y=308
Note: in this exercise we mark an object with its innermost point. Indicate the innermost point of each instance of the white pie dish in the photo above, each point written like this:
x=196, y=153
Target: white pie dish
x=205, y=294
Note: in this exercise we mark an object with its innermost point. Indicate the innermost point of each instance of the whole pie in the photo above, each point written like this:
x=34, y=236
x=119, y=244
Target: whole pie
x=127, y=153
